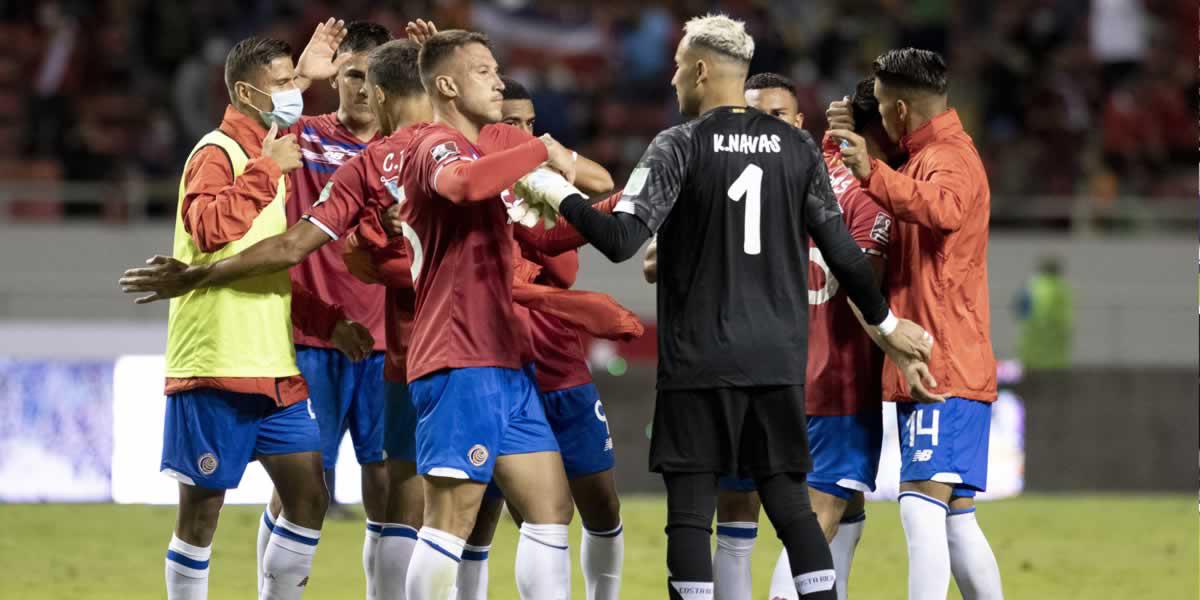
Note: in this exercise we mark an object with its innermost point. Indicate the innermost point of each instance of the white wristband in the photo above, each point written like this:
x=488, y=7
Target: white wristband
x=889, y=324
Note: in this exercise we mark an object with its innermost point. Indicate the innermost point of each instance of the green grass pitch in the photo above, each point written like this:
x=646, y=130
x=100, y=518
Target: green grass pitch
x=1049, y=547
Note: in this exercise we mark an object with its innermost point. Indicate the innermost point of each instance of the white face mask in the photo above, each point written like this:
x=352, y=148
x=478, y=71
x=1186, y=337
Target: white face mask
x=289, y=105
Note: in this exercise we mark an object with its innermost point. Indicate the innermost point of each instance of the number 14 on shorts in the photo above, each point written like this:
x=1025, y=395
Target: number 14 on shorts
x=916, y=426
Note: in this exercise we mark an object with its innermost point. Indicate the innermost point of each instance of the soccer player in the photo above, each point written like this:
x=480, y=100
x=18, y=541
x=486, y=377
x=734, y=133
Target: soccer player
x=519, y=111
x=234, y=393
x=572, y=403
x=347, y=395
x=938, y=273
x=398, y=101
x=843, y=388
x=477, y=403
x=737, y=504
x=733, y=262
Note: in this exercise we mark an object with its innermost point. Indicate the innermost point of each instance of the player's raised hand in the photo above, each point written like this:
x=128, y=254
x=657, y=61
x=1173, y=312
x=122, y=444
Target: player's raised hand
x=920, y=381
x=165, y=277
x=910, y=340
x=352, y=339
x=854, y=152
x=317, y=61
x=285, y=151
x=839, y=114
x=561, y=159
x=420, y=30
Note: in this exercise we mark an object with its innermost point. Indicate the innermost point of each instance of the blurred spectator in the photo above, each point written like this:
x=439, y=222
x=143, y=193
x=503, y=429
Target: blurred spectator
x=1119, y=41
x=1063, y=97
x=1045, y=310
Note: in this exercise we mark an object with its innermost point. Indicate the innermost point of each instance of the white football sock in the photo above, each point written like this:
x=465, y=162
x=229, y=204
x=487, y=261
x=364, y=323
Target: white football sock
x=844, y=542
x=288, y=560
x=265, y=525
x=473, y=573
x=187, y=570
x=601, y=555
x=433, y=569
x=396, y=545
x=783, y=586
x=971, y=558
x=370, y=546
x=731, y=562
x=543, y=562
x=924, y=521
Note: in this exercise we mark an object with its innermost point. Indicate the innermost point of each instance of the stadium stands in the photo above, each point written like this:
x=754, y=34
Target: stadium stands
x=1079, y=101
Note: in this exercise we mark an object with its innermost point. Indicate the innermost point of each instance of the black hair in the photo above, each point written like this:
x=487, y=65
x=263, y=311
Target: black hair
x=440, y=46
x=864, y=106
x=393, y=67
x=515, y=90
x=249, y=54
x=771, y=81
x=363, y=36
x=912, y=70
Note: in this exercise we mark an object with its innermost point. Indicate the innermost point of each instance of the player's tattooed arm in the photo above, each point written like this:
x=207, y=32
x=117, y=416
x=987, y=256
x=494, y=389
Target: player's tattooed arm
x=165, y=277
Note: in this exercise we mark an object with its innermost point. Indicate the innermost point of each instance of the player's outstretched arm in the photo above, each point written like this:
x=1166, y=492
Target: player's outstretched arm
x=939, y=204
x=165, y=277
x=562, y=237
x=616, y=235
x=590, y=177
x=464, y=181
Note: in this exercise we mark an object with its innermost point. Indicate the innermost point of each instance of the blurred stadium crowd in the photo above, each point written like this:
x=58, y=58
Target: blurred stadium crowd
x=1063, y=97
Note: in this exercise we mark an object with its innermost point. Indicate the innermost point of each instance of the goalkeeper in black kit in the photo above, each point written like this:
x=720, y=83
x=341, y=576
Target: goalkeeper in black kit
x=733, y=195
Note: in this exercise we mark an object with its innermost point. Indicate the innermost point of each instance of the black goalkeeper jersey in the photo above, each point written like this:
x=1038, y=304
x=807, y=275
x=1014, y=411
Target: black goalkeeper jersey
x=731, y=196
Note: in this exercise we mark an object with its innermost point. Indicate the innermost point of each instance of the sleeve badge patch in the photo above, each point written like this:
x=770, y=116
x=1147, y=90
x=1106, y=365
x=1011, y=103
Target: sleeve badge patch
x=443, y=151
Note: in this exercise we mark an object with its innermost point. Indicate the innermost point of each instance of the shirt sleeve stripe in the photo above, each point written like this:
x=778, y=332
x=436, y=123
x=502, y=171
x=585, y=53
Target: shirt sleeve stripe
x=329, y=232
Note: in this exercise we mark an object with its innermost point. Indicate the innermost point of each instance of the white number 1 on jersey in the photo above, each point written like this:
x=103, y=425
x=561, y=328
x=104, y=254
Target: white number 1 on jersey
x=749, y=184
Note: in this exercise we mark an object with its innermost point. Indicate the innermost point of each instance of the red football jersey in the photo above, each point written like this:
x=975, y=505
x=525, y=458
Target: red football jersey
x=557, y=347
x=844, y=366
x=325, y=145
x=458, y=235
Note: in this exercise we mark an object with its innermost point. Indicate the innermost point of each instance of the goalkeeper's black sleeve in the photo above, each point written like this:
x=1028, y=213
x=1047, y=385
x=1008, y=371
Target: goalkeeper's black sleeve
x=618, y=236
x=850, y=267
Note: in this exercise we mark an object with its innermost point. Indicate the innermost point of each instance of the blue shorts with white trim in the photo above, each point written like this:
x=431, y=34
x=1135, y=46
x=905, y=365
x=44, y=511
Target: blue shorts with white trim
x=946, y=442
x=211, y=435
x=468, y=417
x=346, y=396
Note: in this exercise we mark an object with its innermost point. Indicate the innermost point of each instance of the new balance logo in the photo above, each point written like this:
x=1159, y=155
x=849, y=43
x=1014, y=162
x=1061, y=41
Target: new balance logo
x=922, y=455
